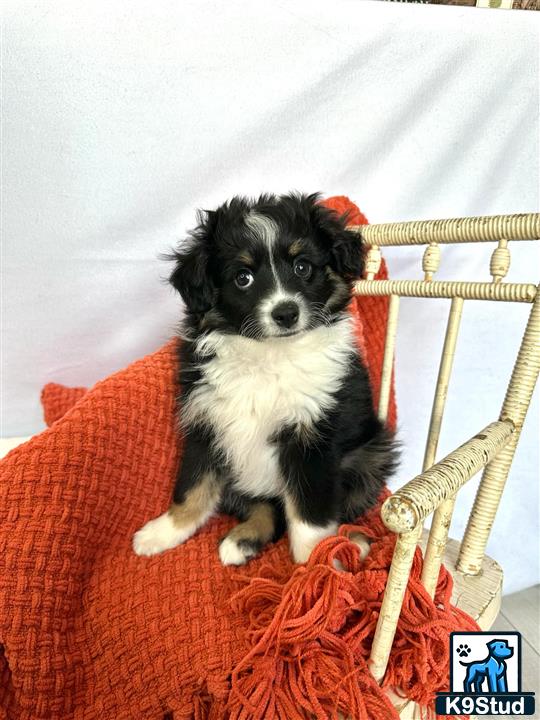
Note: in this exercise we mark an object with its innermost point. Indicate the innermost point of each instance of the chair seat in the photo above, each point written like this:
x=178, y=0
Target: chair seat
x=479, y=595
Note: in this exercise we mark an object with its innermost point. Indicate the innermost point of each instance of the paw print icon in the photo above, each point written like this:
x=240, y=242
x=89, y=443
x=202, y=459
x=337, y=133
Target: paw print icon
x=463, y=650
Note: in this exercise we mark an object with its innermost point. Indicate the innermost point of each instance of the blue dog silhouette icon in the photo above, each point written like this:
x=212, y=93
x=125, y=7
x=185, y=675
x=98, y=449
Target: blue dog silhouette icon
x=492, y=669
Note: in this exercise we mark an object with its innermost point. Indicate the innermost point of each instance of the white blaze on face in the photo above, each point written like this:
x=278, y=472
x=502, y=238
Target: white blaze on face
x=266, y=231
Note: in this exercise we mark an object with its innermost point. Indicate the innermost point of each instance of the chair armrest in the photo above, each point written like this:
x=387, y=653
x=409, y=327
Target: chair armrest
x=412, y=503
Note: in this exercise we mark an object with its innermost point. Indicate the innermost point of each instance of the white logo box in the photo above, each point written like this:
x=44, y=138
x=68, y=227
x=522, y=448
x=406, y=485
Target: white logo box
x=476, y=644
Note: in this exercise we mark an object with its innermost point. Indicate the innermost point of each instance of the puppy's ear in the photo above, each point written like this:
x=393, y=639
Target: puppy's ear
x=348, y=254
x=192, y=275
x=345, y=246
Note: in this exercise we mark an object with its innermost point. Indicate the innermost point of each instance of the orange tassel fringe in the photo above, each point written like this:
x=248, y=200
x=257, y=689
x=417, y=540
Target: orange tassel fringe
x=311, y=634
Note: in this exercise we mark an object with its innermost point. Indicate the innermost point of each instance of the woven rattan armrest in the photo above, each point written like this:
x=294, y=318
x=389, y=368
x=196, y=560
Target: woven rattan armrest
x=420, y=497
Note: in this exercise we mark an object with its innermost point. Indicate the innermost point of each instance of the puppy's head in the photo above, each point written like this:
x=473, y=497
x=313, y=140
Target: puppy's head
x=274, y=267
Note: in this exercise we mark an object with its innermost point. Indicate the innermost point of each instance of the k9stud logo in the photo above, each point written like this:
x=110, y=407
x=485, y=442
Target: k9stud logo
x=485, y=676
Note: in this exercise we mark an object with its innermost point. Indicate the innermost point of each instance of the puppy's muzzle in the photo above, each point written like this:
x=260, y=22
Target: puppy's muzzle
x=285, y=314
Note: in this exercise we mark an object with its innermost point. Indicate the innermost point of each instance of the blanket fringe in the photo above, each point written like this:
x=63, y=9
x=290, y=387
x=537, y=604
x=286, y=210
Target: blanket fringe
x=310, y=636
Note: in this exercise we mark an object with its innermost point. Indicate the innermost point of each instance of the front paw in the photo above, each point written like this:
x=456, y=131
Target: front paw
x=300, y=553
x=363, y=543
x=237, y=552
x=304, y=537
x=157, y=536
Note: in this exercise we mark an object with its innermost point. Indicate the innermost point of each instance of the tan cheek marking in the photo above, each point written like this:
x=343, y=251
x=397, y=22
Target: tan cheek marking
x=259, y=526
x=296, y=247
x=341, y=288
x=212, y=316
x=332, y=275
x=198, y=501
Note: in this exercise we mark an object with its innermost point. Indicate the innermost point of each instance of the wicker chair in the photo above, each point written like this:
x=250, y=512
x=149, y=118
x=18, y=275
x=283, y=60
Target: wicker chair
x=477, y=578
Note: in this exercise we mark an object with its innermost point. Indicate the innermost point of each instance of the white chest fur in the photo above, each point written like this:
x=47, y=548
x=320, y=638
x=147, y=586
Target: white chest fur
x=252, y=389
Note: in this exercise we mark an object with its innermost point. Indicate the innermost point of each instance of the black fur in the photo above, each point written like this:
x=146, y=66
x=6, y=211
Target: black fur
x=335, y=470
x=204, y=270
x=340, y=474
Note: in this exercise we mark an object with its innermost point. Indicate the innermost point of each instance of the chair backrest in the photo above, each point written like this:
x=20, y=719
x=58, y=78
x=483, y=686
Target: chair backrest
x=493, y=447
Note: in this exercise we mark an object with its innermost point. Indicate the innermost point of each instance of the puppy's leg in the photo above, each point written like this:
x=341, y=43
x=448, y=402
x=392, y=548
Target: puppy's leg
x=304, y=534
x=196, y=497
x=249, y=537
x=312, y=495
x=180, y=521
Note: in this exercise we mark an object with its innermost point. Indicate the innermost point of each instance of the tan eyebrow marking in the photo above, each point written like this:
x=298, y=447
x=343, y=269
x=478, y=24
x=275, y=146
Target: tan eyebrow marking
x=246, y=258
x=296, y=247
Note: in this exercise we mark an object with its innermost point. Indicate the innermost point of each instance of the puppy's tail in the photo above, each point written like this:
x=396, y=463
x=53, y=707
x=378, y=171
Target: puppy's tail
x=376, y=460
x=368, y=468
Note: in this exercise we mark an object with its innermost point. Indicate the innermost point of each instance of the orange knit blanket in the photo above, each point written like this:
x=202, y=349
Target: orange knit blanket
x=90, y=631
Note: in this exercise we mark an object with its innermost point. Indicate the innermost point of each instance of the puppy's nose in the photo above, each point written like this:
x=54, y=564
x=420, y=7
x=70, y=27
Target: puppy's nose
x=286, y=314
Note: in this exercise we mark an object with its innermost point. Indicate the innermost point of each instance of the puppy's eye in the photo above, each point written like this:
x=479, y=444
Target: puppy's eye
x=243, y=279
x=302, y=268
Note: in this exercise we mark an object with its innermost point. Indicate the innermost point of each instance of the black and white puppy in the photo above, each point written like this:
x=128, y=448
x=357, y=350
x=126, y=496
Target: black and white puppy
x=275, y=403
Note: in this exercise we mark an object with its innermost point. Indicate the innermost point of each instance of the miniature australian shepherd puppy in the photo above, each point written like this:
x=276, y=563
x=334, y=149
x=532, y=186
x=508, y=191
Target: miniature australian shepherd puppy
x=274, y=400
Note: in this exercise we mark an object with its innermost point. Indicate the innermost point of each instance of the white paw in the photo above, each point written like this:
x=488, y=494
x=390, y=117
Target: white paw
x=301, y=553
x=158, y=535
x=232, y=553
x=363, y=543
x=303, y=537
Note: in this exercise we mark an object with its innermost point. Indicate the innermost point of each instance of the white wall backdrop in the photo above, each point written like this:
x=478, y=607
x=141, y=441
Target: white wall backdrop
x=121, y=118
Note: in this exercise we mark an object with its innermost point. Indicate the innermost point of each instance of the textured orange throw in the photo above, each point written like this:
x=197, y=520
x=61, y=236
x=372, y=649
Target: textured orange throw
x=90, y=631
